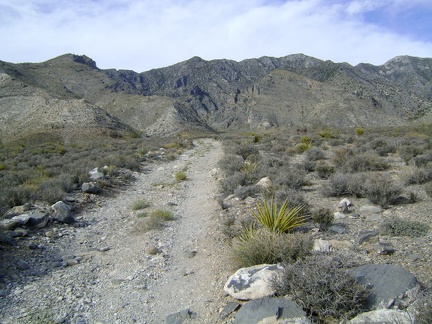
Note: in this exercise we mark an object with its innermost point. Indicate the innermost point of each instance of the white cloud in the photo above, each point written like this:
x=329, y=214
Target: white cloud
x=141, y=35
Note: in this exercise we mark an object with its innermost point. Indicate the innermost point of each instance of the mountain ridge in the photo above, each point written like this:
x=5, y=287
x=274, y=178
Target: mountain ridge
x=222, y=94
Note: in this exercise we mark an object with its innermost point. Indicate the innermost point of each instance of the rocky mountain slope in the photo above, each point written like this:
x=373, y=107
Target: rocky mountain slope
x=74, y=96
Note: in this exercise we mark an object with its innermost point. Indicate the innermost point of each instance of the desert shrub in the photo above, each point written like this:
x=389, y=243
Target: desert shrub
x=428, y=189
x=382, y=147
x=291, y=177
x=423, y=159
x=396, y=226
x=140, y=204
x=326, y=134
x=359, y=131
x=244, y=150
x=409, y=151
x=321, y=285
x=279, y=219
x=315, y=154
x=340, y=184
x=51, y=191
x=416, y=175
x=324, y=170
x=231, y=183
x=323, y=217
x=230, y=163
x=17, y=196
x=263, y=246
x=243, y=192
x=364, y=162
x=180, y=176
x=162, y=214
x=309, y=166
x=423, y=306
x=341, y=154
x=302, y=147
x=381, y=190
x=292, y=196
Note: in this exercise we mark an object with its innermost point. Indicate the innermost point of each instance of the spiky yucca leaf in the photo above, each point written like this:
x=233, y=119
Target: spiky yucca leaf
x=247, y=232
x=279, y=219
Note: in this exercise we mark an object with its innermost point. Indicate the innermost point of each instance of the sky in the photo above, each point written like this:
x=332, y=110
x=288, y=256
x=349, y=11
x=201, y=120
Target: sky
x=141, y=35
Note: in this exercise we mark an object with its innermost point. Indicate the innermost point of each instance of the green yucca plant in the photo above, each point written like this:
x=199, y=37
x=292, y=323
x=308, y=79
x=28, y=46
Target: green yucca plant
x=279, y=219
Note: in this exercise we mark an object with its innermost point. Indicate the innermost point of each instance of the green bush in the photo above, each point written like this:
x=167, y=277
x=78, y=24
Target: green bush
x=262, y=246
x=321, y=285
x=180, y=176
x=326, y=134
x=315, y=154
x=279, y=219
x=324, y=218
x=381, y=190
x=324, y=170
x=396, y=226
x=162, y=214
x=359, y=130
x=140, y=204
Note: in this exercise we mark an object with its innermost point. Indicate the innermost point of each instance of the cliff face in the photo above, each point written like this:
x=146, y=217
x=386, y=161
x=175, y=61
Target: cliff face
x=72, y=94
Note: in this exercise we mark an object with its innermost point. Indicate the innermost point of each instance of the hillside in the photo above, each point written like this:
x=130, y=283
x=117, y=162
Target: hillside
x=75, y=97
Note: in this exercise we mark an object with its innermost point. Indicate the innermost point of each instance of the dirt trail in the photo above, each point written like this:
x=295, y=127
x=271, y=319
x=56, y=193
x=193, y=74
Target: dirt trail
x=125, y=274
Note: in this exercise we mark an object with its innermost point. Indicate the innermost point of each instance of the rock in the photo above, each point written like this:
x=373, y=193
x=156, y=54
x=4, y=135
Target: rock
x=95, y=174
x=22, y=265
x=384, y=248
x=344, y=205
x=263, y=309
x=253, y=282
x=322, y=246
x=19, y=232
x=9, y=224
x=38, y=219
x=179, y=317
x=354, y=215
x=7, y=239
x=391, y=286
x=265, y=183
x=228, y=309
x=370, y=209
x=91, y=187
x=338, y=229
x=341, y=245
x=374, y=218
x=368, y=236
x=339, y=215
x=153, y=250
x=250, y=201
x=62, y=213
x=383, y=316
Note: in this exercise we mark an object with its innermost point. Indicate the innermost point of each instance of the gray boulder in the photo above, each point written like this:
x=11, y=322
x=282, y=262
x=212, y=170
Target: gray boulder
x=253, y=282
x=271, y=310
x=383, y=316
x=91, y=187
x=37, y=219
x=62, y=213
x=95, y=174
x=391, y=286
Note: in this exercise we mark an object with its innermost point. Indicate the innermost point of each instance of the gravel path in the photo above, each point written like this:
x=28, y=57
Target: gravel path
x=114, y=271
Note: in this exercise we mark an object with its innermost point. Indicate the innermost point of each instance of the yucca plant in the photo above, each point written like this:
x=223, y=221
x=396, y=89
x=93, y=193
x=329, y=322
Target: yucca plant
x=279, y=219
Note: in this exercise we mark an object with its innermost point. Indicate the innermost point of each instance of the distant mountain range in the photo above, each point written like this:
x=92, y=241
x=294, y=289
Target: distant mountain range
x=69, y=97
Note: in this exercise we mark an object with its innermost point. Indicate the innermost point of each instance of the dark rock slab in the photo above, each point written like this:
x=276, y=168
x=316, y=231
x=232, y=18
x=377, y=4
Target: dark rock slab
x=257, y=310
x=391, y=286
x=180, y=317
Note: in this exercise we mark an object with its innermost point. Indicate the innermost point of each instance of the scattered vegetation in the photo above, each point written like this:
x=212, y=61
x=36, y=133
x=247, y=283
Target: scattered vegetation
x=321, y=285
x=279, y=219
x=140, y=204
x=324, y=218
x=396, y=226
x=180, y=176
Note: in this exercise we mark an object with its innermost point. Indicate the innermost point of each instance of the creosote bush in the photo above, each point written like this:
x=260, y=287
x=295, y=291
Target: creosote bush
x=180, y=176
x=321, y=285
x=323, y=217
x=396, y=226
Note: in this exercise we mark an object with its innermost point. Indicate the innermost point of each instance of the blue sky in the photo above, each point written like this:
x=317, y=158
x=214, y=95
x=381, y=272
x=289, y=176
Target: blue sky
x=145, y=34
